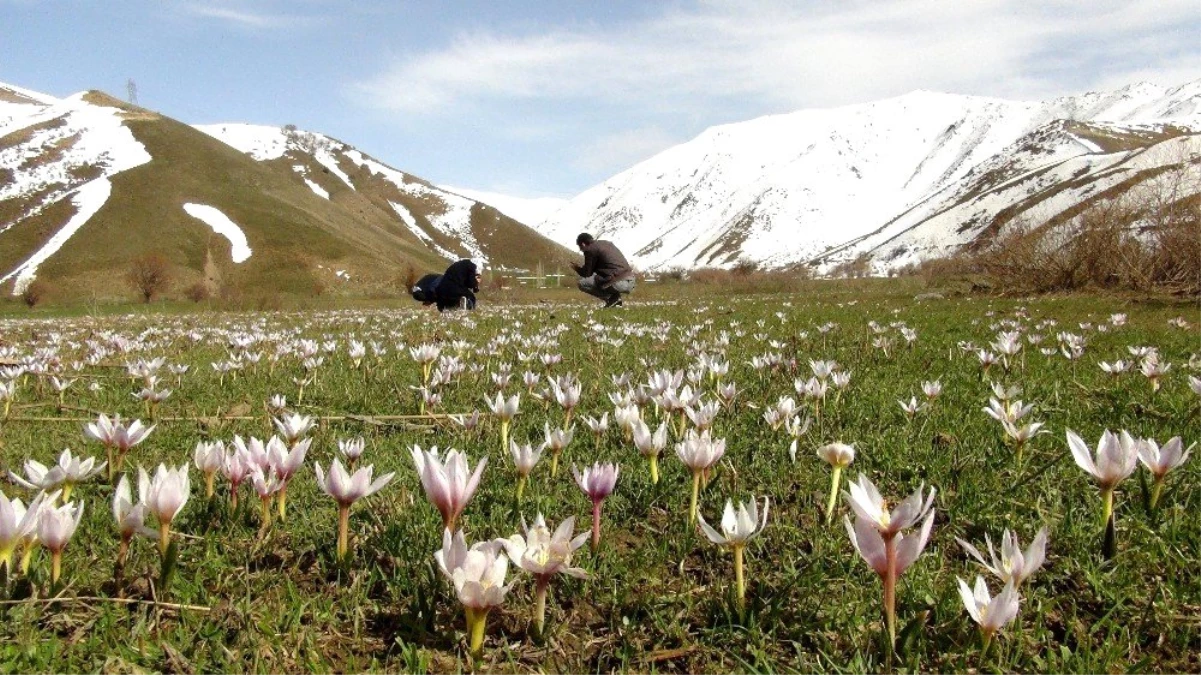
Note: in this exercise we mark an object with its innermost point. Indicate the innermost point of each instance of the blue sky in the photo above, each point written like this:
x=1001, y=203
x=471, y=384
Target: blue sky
x=549, y=98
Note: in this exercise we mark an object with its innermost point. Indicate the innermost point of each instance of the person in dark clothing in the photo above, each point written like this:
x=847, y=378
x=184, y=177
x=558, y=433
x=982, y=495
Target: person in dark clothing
x=605, y=272
x=425, y=290
x=460, y=282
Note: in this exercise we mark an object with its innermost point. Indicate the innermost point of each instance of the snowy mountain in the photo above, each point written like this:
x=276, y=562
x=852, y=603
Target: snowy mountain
x=897, y=181
x=89, y=183
x=529, y=210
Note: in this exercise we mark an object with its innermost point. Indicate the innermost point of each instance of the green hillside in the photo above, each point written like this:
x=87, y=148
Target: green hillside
x=353, y=243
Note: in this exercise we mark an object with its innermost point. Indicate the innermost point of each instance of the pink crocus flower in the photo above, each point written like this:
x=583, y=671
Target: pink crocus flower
x=990, y=613
x=56, y=526
x=449, y=484
x=209, y=458
x=346, y=489
x=478, y=574
x=284, y=464
x=164, y=495
x=877, y=536
x=597, y=482
x=544, y=555
x=1159, y=461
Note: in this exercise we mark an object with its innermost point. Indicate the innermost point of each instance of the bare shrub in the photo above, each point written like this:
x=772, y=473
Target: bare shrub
x=744, y=268
x=409, y=277
x=675, y=273
x=853, y=269
x=150, y=275
x=1146, y=239
x=198, y=292
x=269, y=301
x=35, y=293
x=1176, y=256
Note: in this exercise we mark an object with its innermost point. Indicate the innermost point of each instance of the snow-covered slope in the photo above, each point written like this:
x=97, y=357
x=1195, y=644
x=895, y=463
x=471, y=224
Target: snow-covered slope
x=791, y=188
x=529, y=210
x=440, y=218
x=65, y=150
x=1042, y=178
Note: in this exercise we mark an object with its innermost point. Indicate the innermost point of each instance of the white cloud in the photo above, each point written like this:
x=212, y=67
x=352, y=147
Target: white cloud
x=784, y=55
x=245, y=18
x=607, y=94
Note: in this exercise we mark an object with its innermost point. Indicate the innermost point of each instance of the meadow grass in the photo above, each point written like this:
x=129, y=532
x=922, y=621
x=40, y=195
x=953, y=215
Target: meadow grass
x=659, y=597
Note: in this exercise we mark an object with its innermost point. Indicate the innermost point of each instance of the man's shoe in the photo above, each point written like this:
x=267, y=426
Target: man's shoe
x=614, y=301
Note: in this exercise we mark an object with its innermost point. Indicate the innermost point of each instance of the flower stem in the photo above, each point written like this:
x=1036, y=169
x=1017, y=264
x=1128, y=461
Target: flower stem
x=1107, y=505
x=696, y=488
x=164, y=537
x=834, y=479
x=554, y=464
x=283, y=502
x=119, y=568
x=27, y=558
x=739, y=577
x=264, y=515
x=985, y=643
x=476, y=622
x=209, y=488
x=654, y=469
x=540, y=591
x=56, y=566
x=1156, y=491
x=343, y=531
x=890, y=589
x=520, y=487
x=596, y=522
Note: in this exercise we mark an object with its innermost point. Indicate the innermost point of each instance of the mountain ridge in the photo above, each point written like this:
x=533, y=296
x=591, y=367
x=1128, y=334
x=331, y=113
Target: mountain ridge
x=791, y=188
x=316, y=216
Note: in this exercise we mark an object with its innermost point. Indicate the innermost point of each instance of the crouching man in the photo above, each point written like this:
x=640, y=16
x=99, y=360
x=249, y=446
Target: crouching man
x=605, y=272
x=460, y=282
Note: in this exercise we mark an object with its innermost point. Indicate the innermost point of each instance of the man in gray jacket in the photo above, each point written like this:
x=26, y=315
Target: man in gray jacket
x=605, y=272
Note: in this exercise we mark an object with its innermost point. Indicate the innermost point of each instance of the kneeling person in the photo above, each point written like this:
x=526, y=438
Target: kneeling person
x=425, y=290
x=460, y=282
x=605, y=272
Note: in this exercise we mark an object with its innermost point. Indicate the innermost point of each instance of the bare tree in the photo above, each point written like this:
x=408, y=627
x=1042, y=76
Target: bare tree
x=150, y=275
x=131, y=88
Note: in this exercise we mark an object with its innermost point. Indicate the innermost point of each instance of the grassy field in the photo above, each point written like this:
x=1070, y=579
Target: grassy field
x=659, y=596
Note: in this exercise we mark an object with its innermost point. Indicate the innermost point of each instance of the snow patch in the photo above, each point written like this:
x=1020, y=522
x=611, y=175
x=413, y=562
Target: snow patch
x=454, y=219
x=85, y=135
x=327, y=159
x=303, y=172
x=223, y=226
x=260, y=142
x=88, y=199
x=317, y=189
x=410, y=222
